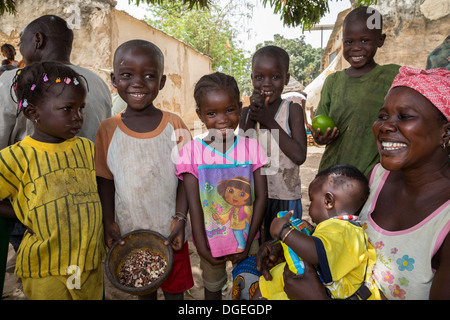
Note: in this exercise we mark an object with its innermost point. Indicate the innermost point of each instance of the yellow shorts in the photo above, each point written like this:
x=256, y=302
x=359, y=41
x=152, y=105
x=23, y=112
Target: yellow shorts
x=88, y=287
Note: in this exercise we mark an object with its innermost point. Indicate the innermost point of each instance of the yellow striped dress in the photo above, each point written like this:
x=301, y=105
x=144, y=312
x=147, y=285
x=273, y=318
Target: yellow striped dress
x=53, y=190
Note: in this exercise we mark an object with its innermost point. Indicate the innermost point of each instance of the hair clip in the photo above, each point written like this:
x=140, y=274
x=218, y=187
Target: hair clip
x=67, y=80
x=23, y=103
x=45, y=77
x=33, y=86
x=75, y=81
x=58, y=80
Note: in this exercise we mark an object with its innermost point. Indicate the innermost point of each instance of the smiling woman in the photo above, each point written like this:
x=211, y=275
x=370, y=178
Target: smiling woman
x=412, y=134
x=407, y=215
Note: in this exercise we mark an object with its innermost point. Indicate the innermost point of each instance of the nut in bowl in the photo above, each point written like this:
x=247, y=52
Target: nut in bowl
x=141, y=265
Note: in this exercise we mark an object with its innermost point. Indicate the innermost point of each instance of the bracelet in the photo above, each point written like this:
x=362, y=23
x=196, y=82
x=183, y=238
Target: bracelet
x=286, y=225
x=290, y=230
x=182, y=214
x=182, y=218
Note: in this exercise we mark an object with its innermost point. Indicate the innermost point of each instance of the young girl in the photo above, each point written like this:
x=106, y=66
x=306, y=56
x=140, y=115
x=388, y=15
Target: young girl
x=49, y=180
x=220, y=172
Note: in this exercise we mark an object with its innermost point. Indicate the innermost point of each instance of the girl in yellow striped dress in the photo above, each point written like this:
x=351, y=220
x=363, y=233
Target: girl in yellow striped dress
x=49, y=181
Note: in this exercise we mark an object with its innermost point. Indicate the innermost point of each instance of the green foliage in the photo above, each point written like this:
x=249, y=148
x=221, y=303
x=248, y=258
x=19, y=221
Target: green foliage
x=190, y=3
x=293, y=13
x=304, y=13
x=7, y=6
x=209, y=31
x=304, y=63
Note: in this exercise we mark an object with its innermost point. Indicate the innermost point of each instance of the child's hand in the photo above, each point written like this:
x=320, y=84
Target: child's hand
x=309, y=226
x=214, y=261
x=328, y=137
x=176, y=237
x=237, y=257
x=112, y=234
x=257, y=99
x=277, y=224
x=259, y=109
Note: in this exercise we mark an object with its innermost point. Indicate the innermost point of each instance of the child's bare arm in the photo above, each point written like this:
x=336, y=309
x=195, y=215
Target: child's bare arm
x=106, y=191
x=176, y=237
x=6, y=210
x=300, y=243
x=294, y=145
x=260, y=203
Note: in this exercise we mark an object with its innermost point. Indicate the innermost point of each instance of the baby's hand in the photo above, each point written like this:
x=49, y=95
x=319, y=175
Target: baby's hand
x=277, y=224
x=309, y=226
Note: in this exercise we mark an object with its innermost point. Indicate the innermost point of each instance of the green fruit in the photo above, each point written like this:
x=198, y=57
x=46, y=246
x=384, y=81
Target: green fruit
x=323, y=122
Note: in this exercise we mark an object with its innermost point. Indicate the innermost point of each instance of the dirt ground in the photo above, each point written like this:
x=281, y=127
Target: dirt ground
x=13, y=287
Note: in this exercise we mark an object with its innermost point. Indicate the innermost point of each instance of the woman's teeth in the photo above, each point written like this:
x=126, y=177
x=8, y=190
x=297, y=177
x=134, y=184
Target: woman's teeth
x=392, y=145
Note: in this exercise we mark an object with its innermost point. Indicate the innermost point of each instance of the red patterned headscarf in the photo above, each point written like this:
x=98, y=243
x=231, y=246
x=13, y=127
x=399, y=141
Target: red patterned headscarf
x=433, y=84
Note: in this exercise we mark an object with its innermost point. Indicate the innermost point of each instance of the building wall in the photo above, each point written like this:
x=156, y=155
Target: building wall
x=99, y=29
x=183, y=65
x=413, y=29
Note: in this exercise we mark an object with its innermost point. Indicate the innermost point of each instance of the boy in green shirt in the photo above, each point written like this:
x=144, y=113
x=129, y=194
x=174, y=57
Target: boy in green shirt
x=353, y=97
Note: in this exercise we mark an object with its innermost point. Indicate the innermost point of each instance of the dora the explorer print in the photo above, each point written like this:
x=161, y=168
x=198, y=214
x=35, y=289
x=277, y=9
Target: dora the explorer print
x=226, y=189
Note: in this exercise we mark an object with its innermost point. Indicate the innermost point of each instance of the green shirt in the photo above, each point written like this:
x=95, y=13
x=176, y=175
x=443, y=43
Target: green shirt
x=353, y=103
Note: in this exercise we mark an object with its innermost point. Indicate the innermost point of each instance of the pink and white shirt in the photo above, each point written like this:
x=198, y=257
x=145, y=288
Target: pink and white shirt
x=403, y=269
x=226, y=189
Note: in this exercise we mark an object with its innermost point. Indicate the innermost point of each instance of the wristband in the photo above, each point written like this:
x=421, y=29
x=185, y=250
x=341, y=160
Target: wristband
x=286, y=225
x=287, y=233
x=180, y=216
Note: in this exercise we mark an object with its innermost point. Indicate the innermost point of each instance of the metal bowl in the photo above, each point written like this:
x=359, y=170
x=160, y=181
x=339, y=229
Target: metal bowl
x=135, y=240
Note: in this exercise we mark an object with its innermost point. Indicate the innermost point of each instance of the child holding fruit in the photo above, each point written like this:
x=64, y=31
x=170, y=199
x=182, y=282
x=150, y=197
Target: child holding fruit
x=353, y=97
x=281, y=131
